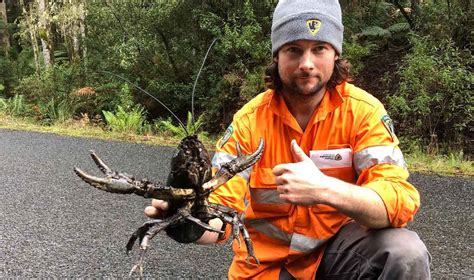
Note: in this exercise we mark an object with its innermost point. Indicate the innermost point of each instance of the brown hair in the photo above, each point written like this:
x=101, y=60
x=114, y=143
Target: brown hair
x=339, y=75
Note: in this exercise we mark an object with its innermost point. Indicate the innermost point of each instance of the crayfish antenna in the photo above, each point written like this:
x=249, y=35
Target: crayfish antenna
x=195, y=83
x=150, y=95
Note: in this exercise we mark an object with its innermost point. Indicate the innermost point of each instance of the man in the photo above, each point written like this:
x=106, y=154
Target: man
x=329, y=197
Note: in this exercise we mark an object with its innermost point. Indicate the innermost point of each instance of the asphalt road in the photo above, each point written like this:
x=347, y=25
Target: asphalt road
x=54, y=225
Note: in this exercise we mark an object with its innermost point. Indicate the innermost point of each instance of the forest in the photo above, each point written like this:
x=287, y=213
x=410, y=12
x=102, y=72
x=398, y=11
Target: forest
x=60, y=61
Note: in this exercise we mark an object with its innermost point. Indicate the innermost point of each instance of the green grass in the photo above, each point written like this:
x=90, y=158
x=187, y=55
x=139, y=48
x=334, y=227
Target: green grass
x=454, y=164
x=76, y=129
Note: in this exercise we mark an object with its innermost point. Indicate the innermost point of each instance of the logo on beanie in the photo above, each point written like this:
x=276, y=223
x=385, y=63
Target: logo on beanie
x=313, y=26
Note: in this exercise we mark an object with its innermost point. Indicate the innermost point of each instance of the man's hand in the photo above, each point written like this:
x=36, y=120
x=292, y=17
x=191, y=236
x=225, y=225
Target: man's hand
x=301, y=182
x=158, y=210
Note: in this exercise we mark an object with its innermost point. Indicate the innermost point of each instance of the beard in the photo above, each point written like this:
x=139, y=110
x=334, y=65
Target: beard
x=298, y=91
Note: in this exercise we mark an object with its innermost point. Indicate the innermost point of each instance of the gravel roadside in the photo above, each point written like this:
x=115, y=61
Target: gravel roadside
x=53, y=225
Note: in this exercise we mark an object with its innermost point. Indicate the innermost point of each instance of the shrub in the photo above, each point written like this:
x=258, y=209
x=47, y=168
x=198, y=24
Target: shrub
x=434, y=101
x=58, y=111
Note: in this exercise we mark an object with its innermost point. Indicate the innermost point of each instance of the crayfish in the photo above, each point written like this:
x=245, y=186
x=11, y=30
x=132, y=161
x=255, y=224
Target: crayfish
x=189, y=184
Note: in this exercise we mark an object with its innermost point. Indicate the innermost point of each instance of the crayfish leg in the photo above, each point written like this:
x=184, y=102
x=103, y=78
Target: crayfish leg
x=144, y=234
x=248, y=245
x=230, y=216
x=204, y=225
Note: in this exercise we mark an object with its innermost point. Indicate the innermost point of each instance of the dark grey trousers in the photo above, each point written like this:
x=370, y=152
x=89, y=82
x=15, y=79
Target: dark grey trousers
x=357, y=253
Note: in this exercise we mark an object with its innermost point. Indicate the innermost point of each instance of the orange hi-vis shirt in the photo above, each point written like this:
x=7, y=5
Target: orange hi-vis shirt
x=349, y=136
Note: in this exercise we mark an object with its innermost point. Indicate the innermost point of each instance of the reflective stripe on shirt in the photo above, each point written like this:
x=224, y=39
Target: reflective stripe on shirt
x=303, y=243
x=266, y=196
x=378, y=155
x=296, y=241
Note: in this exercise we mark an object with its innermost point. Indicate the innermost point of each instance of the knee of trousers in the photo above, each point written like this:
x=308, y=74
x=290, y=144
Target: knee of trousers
x=401, y=247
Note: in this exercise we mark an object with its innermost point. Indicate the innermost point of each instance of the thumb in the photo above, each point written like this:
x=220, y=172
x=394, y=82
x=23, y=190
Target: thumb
x=297, y=152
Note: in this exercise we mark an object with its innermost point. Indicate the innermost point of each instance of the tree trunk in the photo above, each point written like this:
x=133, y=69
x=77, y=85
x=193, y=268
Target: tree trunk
x=31, y=29
x=45, y=33
x=83, y=31
x=4, y=37
x=404, y=13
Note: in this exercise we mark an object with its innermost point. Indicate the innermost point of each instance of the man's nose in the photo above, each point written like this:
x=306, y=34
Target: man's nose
x=306, y=61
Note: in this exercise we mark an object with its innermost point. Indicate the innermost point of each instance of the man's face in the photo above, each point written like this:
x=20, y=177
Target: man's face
x=305, y=66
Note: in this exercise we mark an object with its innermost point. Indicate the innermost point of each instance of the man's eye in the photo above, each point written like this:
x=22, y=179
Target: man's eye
x=293, y=50
x=319, y=48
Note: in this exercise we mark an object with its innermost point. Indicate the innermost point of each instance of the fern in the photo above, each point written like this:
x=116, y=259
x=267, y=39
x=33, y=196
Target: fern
x=131, y=121
x=179, y=131
x=399, y=27
x=376, y=31
x=16, y=106
x=3, y=104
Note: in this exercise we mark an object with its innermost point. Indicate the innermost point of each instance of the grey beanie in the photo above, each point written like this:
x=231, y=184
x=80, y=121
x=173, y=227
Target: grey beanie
x=318, y=20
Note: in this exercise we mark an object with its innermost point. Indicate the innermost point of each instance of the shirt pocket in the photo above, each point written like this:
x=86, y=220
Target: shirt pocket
x=265, y=199
x=335, y=162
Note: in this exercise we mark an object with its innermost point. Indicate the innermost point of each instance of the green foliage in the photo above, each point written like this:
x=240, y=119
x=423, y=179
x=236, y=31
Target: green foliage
x=15, y=106
x=159, y=45
x=24, y=64
x=434, y=100
x=125, y=99
x=53, y=92
x=375, y=31
x=3, y=104
x=126, y=121
x=355, y=53
x=192, y=128
x=58, y=81
x=6, y=75
x=399, y=28
x=446, y=20
x=57, y=111
x=166, y=63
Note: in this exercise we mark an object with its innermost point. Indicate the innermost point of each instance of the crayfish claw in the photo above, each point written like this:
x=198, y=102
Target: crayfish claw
x=231, y=168
x=107, y=184
x=242, y=161
x=100, y=163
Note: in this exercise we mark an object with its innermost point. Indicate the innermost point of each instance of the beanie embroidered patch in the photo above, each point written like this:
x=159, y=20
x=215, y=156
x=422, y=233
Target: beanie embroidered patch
x=313, y=26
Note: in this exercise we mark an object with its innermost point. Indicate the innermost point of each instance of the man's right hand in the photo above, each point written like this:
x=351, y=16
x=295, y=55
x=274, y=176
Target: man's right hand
x=158, y=208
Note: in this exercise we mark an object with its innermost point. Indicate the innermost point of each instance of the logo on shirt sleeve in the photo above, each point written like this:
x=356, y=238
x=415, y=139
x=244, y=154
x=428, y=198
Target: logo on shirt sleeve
x=388, y=123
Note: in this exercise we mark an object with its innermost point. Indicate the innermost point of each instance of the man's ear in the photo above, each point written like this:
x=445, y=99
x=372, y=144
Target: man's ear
x=336, y=57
